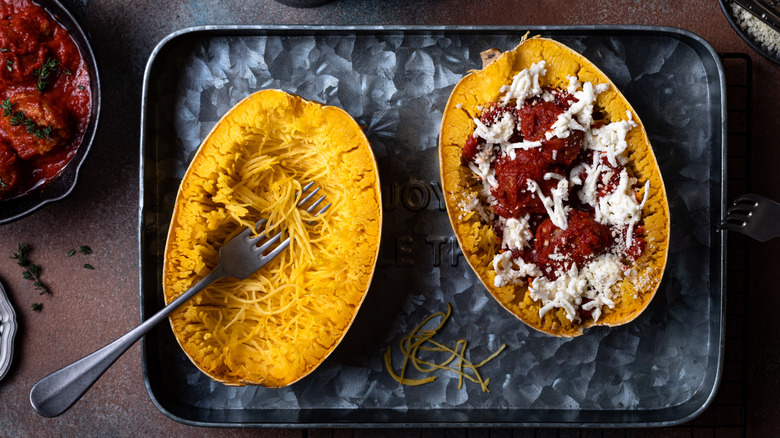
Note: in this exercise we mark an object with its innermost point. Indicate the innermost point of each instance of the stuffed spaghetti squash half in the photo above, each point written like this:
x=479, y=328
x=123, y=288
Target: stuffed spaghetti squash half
x=553, y=190
x=278, y=325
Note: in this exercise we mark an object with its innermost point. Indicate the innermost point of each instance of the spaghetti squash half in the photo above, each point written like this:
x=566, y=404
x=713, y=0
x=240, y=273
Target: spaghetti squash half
x=553, y=190
x=278, y=325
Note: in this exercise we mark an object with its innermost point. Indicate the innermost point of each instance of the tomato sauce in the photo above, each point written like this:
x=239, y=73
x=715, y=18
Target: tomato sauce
x=45, y=98
x=580, y=240
x=584, y=237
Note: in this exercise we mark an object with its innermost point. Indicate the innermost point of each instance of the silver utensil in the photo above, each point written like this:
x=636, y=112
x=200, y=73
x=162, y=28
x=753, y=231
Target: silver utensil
x=239, y=258
x=754, y=216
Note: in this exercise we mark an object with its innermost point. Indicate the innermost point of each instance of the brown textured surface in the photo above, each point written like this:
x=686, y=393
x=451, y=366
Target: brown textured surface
x=89, y=308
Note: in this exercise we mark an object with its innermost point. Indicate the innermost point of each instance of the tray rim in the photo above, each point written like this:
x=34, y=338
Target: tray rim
x=719, y=241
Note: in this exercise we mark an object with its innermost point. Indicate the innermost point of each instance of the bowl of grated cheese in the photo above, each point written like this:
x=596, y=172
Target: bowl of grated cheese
x=756, y=29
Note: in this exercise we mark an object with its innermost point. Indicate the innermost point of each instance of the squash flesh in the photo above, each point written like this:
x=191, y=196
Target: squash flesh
x=277, y=325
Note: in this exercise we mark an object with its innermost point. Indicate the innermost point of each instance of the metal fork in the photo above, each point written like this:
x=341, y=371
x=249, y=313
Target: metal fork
x=240, y=257
x=753, y=215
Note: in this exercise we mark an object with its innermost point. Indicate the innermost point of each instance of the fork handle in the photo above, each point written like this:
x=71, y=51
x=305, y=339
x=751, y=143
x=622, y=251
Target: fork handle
x=57, y=392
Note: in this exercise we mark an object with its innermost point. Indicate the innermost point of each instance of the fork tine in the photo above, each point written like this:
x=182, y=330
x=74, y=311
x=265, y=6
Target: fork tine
x=248, y=231
x=325, y=208
x=736, y=221
x=740, y=211
x=310, y=195
x=278, y=249
x=749, y=198
x=738, y=227
x=308, y=186
x=262, y=248
x=315, y=204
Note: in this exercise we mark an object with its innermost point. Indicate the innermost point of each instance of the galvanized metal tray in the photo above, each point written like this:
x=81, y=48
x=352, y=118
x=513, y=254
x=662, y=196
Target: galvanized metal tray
x=661, y=369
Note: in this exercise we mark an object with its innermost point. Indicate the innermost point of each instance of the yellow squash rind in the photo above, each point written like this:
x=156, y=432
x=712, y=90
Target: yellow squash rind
x=477, y=240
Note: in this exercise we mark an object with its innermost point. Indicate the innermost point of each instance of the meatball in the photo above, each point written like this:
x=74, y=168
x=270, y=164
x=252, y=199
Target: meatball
x=582, y=239
x=9, y=170
x=34, y=126
x=21, y=36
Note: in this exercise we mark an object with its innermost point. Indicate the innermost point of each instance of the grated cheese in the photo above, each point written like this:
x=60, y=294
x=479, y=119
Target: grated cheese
x=525, y=84
x=590, y=287
x=517, y=232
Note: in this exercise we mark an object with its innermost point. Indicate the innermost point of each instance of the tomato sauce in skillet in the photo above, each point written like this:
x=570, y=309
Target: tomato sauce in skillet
x=45, y=98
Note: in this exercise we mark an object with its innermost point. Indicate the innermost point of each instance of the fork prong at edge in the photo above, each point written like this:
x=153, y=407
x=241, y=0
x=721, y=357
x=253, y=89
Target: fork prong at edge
x=315, y=204
x=324, y=209
x=750, y=197
x=732, y=226
x=745, y=203
x=739, y=211
x=275, y=238
x=262, y=221
x=309, y=196
x=285, y=243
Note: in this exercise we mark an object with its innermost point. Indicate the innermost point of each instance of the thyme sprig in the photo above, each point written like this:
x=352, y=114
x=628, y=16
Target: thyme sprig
x=18, y=118
x=44, y=72
x=7, y=107
x=31, y=271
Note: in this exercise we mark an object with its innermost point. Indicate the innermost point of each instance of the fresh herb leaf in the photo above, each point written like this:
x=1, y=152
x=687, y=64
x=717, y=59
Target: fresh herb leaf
x=80, y=87
x=7, y=107
x=88, y=266
x=40, y=132
x=9, y=65
x=71, y=252
x=18, y=118
x=35, y=270
x=31, y=271
x=3, y=49
x=3, y=184
x=44, y=72
x=84, y=249
x=67, y=72
x=37, y=307
x=21, y=255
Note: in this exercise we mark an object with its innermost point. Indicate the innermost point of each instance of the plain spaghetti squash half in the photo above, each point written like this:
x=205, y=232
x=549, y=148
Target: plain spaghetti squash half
x=278, y=325
x=553, y=190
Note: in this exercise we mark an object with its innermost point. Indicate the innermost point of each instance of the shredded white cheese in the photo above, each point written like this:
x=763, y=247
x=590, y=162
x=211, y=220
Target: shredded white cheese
x=591, y=287
x=497, y=133
x=595, y=282
x=512, y=271
x=525, y=84
x=610, y=139
x=580, y=114
x=554, y=205
x=517, y=232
